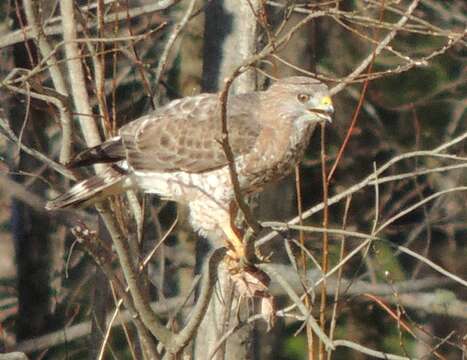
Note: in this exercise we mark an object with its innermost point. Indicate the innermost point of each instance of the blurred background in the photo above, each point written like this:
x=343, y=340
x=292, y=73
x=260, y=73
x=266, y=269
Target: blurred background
x=396, y=151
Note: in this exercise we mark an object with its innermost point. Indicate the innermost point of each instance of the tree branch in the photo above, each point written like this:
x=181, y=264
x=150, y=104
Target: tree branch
x=32, y=10
x=273, y=274
x=77, y=78
x=181, y=340
x=142, y=306
x=383, y=43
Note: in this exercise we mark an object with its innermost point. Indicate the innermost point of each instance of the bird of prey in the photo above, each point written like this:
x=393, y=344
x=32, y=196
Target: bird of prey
x=176, y=151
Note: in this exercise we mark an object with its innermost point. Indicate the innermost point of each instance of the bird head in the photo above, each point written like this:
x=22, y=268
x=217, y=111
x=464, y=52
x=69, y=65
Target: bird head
x=303, y=99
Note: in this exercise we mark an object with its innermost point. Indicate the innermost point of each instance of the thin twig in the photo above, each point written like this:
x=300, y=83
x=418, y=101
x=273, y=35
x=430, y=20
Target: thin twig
x=361, y=100
x=32, y=11
x=139, y=63
x=230, y=332
x=418, y=204
x=383, y=43
x=101, y=255
x=10, y=135
x=325, y=256
x=436, y=152
x=181, y=340
x=431, y=264
x=168, y=46
x=294, y=297
x=303, y=259
x=76, y=331
x=25, y=33
x=332, y=327
x=223, y=98
x=368, y=351
x=371, y=238
x=141, y=304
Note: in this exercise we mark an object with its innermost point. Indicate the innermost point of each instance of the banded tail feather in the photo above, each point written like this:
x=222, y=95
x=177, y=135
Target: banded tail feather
x=110, y=182
x=100, y=186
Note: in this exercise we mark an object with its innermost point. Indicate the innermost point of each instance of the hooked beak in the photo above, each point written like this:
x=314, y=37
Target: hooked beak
x=324, y=109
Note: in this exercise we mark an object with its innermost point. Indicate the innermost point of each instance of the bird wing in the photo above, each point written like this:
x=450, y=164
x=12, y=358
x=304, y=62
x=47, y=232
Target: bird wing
x=186, y=134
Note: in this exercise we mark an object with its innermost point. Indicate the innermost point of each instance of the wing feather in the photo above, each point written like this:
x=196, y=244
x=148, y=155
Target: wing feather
x=185, y=135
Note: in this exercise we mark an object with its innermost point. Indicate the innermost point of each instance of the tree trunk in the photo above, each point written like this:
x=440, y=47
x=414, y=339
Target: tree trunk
x=30, y=228
x=230, y=37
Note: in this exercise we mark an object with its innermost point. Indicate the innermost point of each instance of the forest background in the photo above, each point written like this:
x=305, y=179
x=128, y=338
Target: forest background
x=371, y=227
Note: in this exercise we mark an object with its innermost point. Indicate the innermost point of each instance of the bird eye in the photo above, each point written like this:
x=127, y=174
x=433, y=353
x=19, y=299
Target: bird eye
x=303, y=98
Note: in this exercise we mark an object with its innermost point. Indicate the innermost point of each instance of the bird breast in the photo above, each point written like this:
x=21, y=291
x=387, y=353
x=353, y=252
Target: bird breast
x=274, y=155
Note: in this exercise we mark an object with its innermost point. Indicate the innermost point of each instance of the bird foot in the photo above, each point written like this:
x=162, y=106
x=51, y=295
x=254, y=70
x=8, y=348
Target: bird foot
x=234, y=261
x=253, y=283
x=249, y=281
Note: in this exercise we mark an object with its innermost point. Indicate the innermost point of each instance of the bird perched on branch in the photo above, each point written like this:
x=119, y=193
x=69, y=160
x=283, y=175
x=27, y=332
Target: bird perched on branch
x=176, y=151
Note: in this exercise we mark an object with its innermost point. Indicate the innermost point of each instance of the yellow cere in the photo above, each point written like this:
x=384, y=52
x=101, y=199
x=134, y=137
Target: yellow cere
x=326, y=101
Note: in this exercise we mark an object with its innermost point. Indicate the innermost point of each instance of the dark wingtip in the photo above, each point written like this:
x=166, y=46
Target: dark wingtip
x=108, y=152
x=80, y=161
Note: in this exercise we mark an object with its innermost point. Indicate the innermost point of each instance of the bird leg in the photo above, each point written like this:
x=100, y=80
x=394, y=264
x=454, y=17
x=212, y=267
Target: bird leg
x=233, y=235
x=249, y=281
x=241, y=251
x=234, y=241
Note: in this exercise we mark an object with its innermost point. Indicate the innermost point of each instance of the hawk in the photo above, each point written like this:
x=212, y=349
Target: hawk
x=176, y=151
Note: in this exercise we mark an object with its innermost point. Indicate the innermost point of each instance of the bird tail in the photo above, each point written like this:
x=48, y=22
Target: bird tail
x=110, y=182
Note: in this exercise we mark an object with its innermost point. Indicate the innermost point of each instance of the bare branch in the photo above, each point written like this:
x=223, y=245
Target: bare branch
x=368, y=351
x=298, y=302
x=77, y=79
x=437, y=152
x=32, y=10
x=10, y=135
x=382, y=44
x=182, y=339
x=178, y=28
x=142, y=306
x=19, y=35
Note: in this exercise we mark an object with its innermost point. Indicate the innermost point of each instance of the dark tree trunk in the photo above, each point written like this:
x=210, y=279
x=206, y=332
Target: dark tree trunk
x=30, y=228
